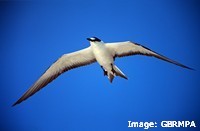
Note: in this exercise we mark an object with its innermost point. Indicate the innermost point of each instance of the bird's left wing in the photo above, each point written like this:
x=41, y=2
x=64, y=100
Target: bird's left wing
x=127, y=48
x=65, y=63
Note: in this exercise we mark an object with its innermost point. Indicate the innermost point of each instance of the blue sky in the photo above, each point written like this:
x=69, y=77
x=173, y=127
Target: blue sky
x=35, y=34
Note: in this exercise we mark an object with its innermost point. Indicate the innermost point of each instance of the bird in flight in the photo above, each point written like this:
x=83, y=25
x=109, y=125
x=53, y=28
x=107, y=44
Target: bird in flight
x=98, y=51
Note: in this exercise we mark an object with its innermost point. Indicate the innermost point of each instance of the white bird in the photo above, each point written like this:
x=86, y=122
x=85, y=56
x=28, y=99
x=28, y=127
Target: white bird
x=98, y=51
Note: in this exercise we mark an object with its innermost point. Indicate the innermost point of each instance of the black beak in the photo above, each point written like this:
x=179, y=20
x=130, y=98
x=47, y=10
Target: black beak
x=89, y=39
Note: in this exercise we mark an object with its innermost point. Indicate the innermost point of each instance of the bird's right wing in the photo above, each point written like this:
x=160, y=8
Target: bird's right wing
x=63, y=64
x=127, y=48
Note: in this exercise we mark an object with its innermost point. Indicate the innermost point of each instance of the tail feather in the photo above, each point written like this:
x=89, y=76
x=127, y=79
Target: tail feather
x=114, y=72
x=110, y=77
x=118, y=72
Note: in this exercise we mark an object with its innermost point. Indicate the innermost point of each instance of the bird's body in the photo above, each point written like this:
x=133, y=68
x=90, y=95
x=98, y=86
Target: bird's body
x=103, y=53
x=105, y=58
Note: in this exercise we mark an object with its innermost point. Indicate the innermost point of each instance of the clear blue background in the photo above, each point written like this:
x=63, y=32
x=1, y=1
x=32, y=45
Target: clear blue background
x=34, y=34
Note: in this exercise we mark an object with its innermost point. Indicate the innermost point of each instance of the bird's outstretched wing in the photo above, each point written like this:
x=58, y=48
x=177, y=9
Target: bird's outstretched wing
x=65, y=63
x=127, y=48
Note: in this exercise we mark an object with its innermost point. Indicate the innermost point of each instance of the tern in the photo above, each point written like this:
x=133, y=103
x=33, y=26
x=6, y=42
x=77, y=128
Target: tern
x=98, y=51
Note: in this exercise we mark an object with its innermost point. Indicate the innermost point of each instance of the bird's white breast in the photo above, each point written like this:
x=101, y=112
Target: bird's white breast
x=102, y=54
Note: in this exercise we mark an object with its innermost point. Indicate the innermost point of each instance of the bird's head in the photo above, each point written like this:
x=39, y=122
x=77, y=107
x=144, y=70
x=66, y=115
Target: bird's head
x=94, y=39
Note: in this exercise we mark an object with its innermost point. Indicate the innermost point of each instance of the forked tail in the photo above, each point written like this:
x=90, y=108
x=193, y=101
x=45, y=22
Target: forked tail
x=116, y=72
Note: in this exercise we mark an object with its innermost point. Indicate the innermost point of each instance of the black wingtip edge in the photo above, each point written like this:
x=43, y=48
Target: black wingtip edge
x=15, y=104
x=190, y=68
x=125, y=77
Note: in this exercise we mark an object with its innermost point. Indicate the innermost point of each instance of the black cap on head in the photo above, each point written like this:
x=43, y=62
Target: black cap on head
x=93, y=39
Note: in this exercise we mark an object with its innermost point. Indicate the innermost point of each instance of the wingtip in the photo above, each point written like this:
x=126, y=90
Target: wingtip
x=15, y=104
x=189, y=68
